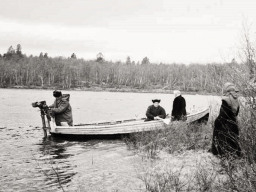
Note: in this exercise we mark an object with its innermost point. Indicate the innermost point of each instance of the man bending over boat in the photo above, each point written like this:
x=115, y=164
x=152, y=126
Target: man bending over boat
x=61, y=109
x=179, y=107
x=155, y=111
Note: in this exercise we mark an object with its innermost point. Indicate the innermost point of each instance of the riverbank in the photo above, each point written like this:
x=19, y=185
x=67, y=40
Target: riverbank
x=176, y=159
x=179, y=159
x=109, y=89
x=191, y=171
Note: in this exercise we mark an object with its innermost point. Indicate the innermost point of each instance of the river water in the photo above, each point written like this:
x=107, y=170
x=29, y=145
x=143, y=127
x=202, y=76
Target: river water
x=30, y=163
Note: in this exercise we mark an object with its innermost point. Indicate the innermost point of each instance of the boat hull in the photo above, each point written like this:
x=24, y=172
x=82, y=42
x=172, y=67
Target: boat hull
x=119, y=129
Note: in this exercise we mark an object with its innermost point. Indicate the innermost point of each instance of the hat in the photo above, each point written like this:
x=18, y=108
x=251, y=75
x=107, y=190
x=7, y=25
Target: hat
x=156, y=100
x=176, y=93
x=57, y=93
x=228, y=87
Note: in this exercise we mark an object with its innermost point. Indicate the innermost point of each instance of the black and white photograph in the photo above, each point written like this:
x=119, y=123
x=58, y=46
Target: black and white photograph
x=128, y=96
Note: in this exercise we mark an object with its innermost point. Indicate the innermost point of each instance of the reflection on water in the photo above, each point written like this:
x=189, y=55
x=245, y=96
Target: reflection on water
x=58, y=170
x=80, y=166
x=54, y=147
x=30, y=163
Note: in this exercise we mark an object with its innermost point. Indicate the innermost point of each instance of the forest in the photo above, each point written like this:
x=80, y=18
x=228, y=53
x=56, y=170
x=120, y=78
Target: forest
x=19, y=70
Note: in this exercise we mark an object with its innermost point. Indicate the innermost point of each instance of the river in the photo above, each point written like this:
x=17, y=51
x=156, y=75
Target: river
x=28, y=162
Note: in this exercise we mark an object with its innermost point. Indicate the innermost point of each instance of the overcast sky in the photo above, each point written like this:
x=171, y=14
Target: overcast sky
x=167, y=31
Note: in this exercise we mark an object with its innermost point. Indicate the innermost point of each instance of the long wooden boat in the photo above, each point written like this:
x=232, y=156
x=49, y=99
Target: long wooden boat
x=121, y=127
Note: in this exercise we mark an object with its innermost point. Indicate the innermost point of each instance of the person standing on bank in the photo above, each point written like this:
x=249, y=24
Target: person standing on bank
x=155, y=111
x=225, y=140
x=178, y=107
x=61, y=109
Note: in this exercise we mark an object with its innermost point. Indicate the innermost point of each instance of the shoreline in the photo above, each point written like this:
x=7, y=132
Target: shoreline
x=107, y=89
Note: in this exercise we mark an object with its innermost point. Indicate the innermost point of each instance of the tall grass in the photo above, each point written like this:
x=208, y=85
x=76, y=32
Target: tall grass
x=195, y=171
x=175, y=138
x=215, y=174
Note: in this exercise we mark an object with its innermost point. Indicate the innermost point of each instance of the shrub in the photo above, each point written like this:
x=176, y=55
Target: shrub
x=177, y=137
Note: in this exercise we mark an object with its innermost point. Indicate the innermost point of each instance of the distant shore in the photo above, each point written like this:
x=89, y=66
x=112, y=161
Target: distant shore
x=108, y=89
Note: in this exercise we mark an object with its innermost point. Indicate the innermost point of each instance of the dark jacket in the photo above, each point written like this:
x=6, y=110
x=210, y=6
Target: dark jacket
x=153, y=111
x=226, y=132
x=179, y=108
x=62, y=110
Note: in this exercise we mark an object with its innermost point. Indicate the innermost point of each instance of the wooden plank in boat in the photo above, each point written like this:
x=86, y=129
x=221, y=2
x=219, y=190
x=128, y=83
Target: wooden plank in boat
x=112, y=131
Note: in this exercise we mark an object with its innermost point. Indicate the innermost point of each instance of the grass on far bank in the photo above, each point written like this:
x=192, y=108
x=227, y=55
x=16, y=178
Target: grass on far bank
x=112, y=89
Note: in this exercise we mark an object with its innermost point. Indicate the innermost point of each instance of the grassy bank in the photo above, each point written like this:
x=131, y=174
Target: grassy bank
x=177, y=158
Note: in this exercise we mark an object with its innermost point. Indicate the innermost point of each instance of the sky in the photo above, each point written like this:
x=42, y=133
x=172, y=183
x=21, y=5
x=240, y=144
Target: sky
x=181, y=31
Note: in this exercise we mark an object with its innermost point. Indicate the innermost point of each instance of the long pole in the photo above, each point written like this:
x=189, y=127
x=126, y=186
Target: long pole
x=43, y=123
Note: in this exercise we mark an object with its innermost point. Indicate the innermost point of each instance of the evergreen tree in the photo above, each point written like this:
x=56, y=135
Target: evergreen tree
x=145, y=61
x=73, y=56
x=10, y=50
x=41, y=55
x=128, y=60
x=18, y=50
x=10, y=53
x=100, y=57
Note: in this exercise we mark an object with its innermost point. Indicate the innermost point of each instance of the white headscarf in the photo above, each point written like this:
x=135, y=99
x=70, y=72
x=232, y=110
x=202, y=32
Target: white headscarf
x=228, y=97
x=176, y=93
x=227, y=88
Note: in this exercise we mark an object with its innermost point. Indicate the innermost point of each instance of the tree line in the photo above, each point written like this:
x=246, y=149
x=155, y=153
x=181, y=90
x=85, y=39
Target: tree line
x=17, y=69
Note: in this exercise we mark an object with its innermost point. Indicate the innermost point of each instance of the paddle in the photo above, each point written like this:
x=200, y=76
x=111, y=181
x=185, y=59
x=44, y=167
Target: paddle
x=166, y=121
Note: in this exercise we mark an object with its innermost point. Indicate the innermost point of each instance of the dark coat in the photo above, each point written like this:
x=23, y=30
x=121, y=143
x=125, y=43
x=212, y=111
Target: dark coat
x=62, y=110
x=226, y=132
x=153, y=111
x=179, y=108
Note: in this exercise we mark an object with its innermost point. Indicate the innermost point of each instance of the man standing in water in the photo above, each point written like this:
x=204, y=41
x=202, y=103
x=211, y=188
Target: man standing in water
x=179, y=107
x=155, y=111
x=61, y=109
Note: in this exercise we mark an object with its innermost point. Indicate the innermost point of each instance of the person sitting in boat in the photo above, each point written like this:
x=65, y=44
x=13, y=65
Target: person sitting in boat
x=155, y=111
x=61, y=109
x=178, y=107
